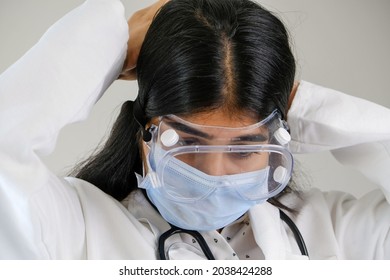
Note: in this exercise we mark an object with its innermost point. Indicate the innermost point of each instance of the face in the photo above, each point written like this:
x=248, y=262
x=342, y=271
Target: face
x=204, y=129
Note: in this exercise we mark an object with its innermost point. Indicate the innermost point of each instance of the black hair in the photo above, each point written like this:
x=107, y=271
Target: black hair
x=198, y=55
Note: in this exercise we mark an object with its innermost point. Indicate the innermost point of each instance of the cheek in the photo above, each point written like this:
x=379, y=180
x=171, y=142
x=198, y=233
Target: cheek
x=251, y=162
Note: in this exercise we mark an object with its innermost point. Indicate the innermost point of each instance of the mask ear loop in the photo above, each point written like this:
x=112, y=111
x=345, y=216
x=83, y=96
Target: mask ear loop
x=139, y=117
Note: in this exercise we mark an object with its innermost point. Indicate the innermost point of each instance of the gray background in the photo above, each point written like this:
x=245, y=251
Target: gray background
x=343, y=44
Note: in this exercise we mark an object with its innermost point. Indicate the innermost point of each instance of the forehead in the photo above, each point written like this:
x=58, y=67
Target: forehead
x=221, y=119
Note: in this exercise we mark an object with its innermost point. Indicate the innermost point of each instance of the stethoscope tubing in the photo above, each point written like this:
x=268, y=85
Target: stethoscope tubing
x=206, y=249
x=297, y=234
x=173, y=230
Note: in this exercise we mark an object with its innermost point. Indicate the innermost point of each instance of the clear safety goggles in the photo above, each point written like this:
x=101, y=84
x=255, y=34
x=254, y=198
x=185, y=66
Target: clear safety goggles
x=215, y=157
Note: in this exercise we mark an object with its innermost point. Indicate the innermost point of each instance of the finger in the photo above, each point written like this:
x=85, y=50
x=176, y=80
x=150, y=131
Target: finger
x=148, y=13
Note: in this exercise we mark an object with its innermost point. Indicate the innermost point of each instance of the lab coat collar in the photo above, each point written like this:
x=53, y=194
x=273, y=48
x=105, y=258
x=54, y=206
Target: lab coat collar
x=140, y=207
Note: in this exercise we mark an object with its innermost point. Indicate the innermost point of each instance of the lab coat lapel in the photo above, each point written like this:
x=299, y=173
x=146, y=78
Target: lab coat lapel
x=265, y=223
x=269, y=233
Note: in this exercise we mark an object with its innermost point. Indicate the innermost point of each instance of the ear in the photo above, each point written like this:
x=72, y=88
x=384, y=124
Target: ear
x=128, y=75
x=292, y=95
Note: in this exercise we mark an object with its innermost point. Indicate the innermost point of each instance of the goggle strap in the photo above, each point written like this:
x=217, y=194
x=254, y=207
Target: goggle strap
x=139, y=117
x=286, y=126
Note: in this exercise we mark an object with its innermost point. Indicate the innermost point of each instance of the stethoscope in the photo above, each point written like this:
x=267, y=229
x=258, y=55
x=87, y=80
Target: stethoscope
x=206, y=249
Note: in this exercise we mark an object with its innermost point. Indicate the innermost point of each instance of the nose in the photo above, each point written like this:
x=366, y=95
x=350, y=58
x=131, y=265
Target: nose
x=215, y=164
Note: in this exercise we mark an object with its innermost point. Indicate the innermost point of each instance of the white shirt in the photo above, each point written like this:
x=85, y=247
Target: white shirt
x=43, y=216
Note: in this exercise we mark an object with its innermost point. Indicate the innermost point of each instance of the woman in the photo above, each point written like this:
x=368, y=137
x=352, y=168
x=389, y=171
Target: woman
x=207, y=136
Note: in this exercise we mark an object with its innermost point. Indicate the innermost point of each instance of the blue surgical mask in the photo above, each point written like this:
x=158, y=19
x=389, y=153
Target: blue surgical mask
x=218, y=202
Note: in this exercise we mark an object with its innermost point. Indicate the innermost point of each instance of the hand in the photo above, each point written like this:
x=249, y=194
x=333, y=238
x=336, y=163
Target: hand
x=139, y=24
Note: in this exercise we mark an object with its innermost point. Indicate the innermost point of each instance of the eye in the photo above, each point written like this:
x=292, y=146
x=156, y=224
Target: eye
x=189, y=141
x=245, y=155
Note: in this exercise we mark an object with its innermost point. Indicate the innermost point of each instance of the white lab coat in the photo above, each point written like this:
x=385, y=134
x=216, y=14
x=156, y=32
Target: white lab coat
x=43, y=216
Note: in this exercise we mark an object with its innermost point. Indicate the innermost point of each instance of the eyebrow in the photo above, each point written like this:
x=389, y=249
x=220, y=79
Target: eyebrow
x=242, y=138
x=251, y=138
x=185, y=128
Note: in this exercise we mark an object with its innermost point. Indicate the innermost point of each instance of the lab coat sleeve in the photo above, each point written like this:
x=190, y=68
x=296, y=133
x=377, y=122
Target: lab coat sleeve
x=322, y=119
x=55, y=83
x=357, y=133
